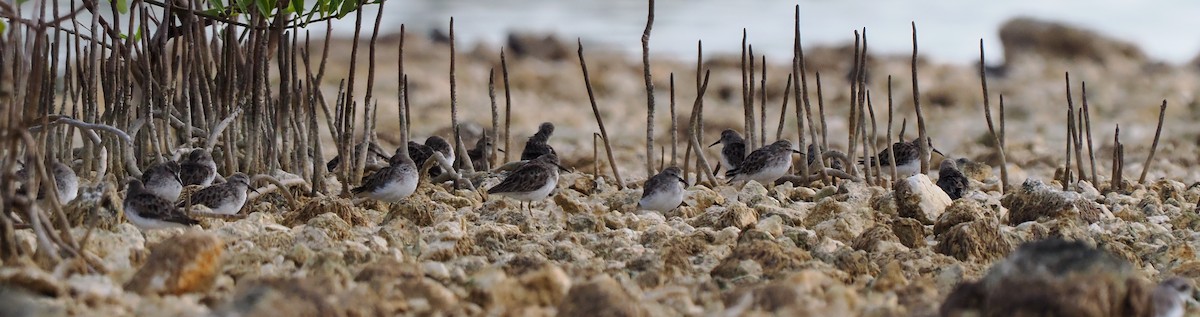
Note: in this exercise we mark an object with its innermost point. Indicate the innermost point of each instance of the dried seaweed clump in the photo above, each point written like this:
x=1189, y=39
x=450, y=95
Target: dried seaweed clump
x=317, y=206
x=962, y=210
x=678, y=251
x=333, y=226
x=872, y=237
x=736, y=215
x=1035, y=200
x=418, y=209
x=979, y=241
x=855, y=263
x=774, y=259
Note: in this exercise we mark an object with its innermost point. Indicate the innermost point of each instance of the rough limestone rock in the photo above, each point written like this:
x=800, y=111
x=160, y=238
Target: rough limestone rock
x=775, y=260
x=910, y=232
x=183, y=264
x=919, y=198
x=602, y=297
x=979, y=240
x=33, y=280
x=1054, y=278
x=546, y=286
x=277, y=297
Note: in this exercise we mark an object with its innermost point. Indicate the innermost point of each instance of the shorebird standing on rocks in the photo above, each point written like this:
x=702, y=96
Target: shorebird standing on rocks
x=733, y=150
x=664, y=191
x=148, y=211
x=479, y=154
x=375, y=154
x=225, y=198
x=907, y=161
x=533, y=181
x=393, y=183
x=419, y=153
x=765, y=165
x=198, y=168
x=537, y=144
x=162, y=180
x=66, y=183
x=951, y=180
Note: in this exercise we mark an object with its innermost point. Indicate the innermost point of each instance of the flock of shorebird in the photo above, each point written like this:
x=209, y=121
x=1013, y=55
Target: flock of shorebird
x=154, y=201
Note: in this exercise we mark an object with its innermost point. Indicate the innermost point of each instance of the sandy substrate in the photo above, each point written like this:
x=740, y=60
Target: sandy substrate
x=844, y=250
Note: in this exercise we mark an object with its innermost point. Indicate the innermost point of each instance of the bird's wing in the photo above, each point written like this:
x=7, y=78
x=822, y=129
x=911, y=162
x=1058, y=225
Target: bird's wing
x=192, y=174
x=528, y=177
x=735, y=152
x=376, y=180
x=153, y=207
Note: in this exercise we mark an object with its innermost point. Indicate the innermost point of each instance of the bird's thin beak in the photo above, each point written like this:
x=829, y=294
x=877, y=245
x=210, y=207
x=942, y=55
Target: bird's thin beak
x=938, y=152
x=681, y=180
x=714, y=143
x=255, y=190
x=501, y=150
x=560, y=167
x=798, y=152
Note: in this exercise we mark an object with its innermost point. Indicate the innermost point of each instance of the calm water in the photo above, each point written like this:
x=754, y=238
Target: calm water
x=948, y=30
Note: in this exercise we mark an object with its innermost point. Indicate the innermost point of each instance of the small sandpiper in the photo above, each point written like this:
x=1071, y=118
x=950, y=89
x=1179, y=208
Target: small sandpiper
x=66, y=183
x=664, y=191
x=148, y=211
x=225, y=198
x=479, y=154
x=906, y=162
x=1171, y=296
x=533, y=181
x=393, y=183
x=765, y=165
x=733, y=150
x=375, y=155
x=197, y=168
x=162, y=180
x=419, y=153
x=538, y=145
x=951, y=180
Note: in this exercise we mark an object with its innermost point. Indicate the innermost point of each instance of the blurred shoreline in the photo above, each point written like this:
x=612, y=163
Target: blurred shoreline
x=949, y=31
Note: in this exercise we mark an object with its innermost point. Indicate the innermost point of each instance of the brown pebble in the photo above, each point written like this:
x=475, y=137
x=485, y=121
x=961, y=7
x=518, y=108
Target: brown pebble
x=602, y=297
